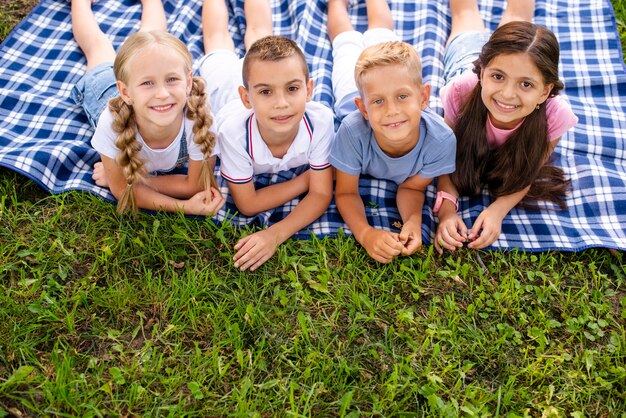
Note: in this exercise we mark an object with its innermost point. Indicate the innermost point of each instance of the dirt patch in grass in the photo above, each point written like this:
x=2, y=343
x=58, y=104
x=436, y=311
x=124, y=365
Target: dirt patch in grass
x=12, y=12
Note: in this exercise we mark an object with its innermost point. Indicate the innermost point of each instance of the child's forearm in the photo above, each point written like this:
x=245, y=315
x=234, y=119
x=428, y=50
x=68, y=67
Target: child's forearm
x=179, y=186
x=311, y=207
x=270, y=197
x=352, y=211
x=448, y=208
x=503, y=204
x=410, y=203
x=148, y=198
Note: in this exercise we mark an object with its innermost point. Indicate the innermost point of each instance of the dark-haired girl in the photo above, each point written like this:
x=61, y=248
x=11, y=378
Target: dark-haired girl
x=507, y=117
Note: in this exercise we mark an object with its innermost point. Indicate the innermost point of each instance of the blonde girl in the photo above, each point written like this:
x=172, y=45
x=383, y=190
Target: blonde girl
x=150, y=116
x=501, y=99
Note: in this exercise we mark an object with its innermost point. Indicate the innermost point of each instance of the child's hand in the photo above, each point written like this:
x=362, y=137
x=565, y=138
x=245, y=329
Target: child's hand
x=198, y=204
x=255, y=249
x=99, y=175
x=411, y=238
x=486, y=229
x=451, y=233
x=381, y=245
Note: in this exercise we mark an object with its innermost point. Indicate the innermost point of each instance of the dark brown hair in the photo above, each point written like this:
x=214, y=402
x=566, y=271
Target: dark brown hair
x=272, y=48
x=523, y=159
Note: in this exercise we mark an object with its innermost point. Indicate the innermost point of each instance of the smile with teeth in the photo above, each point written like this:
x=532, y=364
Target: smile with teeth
x=162, y=108
x=394, y=124
x=506, y=106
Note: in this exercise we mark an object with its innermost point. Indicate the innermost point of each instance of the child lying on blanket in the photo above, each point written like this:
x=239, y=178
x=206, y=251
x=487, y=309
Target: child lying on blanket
x=501, y=100
x=392, y=135
x=266, y=124
x=148, y=118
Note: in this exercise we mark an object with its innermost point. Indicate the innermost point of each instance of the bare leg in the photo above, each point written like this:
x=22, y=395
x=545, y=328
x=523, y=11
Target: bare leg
x=215, y=26
x=152, y=16
x=90, y=38
x=465, y=17
x=378, y=14
x=258, y=21
x=518, y=10
x=338, y=18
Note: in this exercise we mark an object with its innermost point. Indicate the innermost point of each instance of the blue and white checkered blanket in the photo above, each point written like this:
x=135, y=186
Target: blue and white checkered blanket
x=44, y=135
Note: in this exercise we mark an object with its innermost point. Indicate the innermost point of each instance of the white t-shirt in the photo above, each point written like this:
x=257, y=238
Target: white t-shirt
x=164, y=159
x=243, y=153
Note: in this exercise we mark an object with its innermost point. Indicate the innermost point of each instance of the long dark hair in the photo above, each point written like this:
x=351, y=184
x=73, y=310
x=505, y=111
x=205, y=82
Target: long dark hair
x=521, y=160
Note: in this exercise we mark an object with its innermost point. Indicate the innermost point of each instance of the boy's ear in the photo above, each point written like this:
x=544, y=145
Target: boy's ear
x=245, y=97
x=361, y=106
x=425, y=92
x=309, y=89
x=123, y=89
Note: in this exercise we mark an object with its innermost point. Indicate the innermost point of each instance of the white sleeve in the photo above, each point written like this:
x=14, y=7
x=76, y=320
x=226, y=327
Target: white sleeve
x=195, y=153
x=235, y=162
x=323, y=137
x=104, y=138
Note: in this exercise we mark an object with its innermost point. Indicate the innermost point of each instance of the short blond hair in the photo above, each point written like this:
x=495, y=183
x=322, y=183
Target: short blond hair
x=388, y=53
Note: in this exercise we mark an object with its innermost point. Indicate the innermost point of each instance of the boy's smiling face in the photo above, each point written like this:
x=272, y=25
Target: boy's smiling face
x=392, y=102
x=277, y=92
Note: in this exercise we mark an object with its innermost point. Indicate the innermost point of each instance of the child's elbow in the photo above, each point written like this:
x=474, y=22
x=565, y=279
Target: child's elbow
x=117, y=191
x=327, y=197
x=247, y=211
x=247, y=208
x=323, y=197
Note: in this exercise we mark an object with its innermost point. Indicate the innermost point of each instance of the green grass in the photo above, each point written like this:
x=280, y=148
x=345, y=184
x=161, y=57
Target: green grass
x=102, y=315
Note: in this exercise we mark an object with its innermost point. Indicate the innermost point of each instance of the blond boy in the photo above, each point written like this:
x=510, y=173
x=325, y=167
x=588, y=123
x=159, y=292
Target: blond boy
x=390, y=135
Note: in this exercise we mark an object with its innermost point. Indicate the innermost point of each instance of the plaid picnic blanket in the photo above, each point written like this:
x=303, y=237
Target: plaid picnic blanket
x=45, y=136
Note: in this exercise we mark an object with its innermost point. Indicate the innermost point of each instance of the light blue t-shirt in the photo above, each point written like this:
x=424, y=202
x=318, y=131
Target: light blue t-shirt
x=355, y=150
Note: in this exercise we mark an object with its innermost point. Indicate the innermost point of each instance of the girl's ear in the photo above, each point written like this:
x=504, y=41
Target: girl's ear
x=361, y=106
x=189, y=83
x=123, y=89
x=546, y=93
x=245, y=97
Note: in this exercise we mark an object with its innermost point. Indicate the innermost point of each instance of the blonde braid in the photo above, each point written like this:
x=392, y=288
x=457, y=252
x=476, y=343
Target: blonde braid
x=199, y=111
x=128, y=158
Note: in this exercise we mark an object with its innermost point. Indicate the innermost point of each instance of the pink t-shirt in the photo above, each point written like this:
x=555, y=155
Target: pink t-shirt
x=455, y=93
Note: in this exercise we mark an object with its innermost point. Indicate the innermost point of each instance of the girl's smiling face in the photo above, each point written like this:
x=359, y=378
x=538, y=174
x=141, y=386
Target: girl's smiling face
x=512, y=87
x=157, y=87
